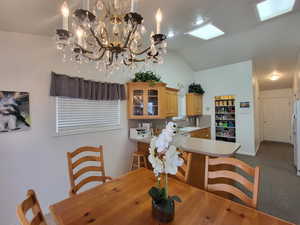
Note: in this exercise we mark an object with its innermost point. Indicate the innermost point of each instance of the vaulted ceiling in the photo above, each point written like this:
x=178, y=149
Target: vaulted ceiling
x=272, y=45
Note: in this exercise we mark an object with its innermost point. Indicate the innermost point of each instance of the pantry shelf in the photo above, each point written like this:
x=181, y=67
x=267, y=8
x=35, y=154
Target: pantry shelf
x=225, y=118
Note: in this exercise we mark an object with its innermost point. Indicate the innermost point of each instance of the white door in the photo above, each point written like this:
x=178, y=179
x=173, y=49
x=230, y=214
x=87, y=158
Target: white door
x=277, y=119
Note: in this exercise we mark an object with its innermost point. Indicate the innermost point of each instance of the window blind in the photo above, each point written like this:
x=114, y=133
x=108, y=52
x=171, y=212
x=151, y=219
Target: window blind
x=75, y=116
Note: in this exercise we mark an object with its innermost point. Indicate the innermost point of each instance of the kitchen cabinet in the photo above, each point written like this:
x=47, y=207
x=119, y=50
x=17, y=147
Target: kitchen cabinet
x=171, y=102
x=146, y=101
x=202, y=133
x=151, y=101
x=193, y=104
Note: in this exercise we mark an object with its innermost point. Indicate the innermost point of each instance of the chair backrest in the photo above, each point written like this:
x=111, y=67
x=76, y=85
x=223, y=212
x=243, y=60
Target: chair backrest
x=75, y=186
x=30, y=203
x=183, y=173
x=250, y=186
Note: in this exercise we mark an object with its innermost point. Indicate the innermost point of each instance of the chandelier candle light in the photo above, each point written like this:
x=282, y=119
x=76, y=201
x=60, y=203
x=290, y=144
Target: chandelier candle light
x=165, y=160
x=109, y=33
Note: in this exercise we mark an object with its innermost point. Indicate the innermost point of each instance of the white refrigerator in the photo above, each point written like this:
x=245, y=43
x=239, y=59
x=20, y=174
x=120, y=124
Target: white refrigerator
x=296, y=135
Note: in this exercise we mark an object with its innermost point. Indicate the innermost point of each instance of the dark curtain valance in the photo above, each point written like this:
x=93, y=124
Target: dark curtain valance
x=76, y=87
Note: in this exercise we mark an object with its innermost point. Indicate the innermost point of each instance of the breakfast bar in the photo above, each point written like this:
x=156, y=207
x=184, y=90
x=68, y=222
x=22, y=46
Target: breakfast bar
x=199, y=148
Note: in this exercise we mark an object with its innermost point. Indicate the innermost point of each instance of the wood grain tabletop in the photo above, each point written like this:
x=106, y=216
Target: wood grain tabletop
x=125, y=201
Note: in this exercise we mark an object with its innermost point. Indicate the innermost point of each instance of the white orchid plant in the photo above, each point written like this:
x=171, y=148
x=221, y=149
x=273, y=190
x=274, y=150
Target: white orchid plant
x=165, y=159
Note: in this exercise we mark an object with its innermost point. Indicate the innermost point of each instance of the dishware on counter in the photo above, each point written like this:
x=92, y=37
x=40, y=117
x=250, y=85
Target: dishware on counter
x=139, y=133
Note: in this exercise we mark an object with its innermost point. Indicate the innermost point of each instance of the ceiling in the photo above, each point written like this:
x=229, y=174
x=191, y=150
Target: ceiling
x=272, y=45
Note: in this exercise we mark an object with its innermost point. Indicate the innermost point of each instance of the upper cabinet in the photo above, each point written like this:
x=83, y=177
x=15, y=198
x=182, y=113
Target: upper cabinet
x=146, y=101
x=171, y=102
x=193, y=104
x=151, y=101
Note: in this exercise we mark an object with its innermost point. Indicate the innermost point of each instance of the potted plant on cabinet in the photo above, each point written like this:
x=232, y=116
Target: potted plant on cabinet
x=147, y=76
x=196, y=88
x=194, y=100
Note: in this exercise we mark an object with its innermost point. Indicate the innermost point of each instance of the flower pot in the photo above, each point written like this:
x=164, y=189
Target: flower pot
x=163, y=211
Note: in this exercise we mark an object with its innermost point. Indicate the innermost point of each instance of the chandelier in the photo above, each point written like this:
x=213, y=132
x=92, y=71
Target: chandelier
x=110, y=34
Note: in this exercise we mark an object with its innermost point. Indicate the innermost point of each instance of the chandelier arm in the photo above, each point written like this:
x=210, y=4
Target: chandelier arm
x=129, y=35
x=138, y=60
x=90, y=43
x=96, y=38
x=111, y=58
x=144, y=51
x=132, y=60
x=106, y=34
x=95, y=59
x=126, y=64
x=139, y=53
x=133, y=32
x=83, y=49
x=129, y=61
x=101, y=56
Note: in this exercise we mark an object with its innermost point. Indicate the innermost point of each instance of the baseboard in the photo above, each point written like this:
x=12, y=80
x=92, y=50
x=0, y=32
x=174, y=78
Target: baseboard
x=257, y=148
x=246, y=153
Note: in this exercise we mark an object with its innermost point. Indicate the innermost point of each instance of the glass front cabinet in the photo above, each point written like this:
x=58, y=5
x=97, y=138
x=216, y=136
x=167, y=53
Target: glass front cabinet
x=146, y=101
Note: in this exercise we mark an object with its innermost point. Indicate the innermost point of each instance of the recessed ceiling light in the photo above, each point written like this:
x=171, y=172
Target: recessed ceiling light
x=271, y=8
x=274, y=76
x=171, y=34
x=199, y=20
x=206, y=32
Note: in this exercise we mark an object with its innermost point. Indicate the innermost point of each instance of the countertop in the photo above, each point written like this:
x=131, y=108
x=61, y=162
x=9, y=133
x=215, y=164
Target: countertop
x=187, y=130
x=201, y=146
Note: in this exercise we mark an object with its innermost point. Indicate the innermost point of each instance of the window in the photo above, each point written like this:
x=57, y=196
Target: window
x=271, y=8
x=206, y=32
x=75, y=116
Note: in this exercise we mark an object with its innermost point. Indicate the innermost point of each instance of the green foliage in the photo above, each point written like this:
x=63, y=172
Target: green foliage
x=146, y=76
x=196, y=88
x=175, y=198
x=159, y=196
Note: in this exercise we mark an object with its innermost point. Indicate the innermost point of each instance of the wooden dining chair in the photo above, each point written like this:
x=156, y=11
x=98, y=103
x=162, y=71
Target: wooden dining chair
x=74, y=176
x=222, y=175
x=30, y=203
x=139, y=160
x=183, y=173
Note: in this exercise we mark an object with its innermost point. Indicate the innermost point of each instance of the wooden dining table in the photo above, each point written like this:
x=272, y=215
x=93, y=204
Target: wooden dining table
x=125, y=201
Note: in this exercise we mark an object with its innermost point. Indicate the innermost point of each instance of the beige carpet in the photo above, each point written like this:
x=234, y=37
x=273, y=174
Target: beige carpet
x=279, y=186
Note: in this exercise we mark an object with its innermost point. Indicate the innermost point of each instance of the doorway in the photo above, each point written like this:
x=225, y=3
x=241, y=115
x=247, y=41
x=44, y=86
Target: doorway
x=276, y=119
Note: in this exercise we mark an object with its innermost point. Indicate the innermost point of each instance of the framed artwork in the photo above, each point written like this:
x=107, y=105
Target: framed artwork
x=14, y=111
x=244, y=104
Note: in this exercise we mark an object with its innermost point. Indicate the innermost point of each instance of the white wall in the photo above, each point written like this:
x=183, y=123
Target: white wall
x=277, y=93
x=295, y=86
x=296, y=81
x=256, y=97
x=235, y=79
x=173, y=72
x=36, y=158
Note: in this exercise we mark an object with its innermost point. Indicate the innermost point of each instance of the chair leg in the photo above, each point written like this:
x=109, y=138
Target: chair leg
x=132, y=163
x=139, y=162
x=145, y=162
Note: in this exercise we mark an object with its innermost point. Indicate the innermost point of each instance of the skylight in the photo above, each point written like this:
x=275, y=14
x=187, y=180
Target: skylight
x=271, y=8
x=206, y=32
